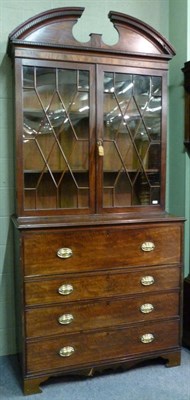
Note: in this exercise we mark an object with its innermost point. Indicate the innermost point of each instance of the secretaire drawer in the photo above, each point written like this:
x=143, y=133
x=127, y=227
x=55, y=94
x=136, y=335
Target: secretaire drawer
x=78, y=317
x=85, y=249
x=72, y=288
x=87, y=349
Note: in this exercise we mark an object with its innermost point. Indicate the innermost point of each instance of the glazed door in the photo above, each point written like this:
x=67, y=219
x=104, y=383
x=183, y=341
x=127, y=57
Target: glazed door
x=92, y=138
x=131, y=140
x=57, y=122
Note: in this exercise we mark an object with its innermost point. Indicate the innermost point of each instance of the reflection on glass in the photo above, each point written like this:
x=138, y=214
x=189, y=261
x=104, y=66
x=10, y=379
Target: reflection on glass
x=83, y=81
x=56, y=138
x=108, y=82
x=28, y=77
x=132, y=134
x=45, y=85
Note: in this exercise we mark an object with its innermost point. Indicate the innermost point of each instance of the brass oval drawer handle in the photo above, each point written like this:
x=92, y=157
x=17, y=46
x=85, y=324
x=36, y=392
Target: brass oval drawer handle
x=146, y=308
x=66, y=289
x=147, y=246
x=64, y=252
x=147, y=338
x=65, y=319
x=147, y=280
x=66, y=351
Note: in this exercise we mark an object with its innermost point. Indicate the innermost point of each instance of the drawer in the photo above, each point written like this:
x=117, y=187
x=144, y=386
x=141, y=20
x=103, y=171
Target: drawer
x=100, y=248
x=65, y=352
x=70, y=318
x=84, y=287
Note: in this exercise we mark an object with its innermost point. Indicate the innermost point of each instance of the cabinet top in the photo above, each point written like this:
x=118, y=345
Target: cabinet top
x=25, y=223
x=53, y=29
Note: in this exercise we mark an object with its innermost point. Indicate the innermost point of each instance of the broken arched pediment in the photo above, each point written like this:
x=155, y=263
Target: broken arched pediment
x=54, y=28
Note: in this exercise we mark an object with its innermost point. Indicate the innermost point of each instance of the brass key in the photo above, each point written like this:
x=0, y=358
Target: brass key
x=100, y=148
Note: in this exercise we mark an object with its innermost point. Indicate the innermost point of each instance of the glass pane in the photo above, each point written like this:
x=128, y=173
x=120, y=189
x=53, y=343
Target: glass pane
x=124, y=84
x=83, y=81
x=156, y=83
x=28, y=77
x=45, y=86
x=56, y=113
x=143, y=189
x=79, y=115
x=142, y=142
x=56, y=138
x=132, y=133
x=108, y=82
x=122, y=190
x=67, y=86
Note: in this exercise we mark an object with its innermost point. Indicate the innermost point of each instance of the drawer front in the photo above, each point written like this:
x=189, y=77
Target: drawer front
x=69, y=351
x=76, y=288
x=97, y=248
x=70, y=318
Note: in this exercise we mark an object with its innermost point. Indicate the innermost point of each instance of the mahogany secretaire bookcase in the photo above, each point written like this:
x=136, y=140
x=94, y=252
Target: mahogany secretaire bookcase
x=99, y=260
